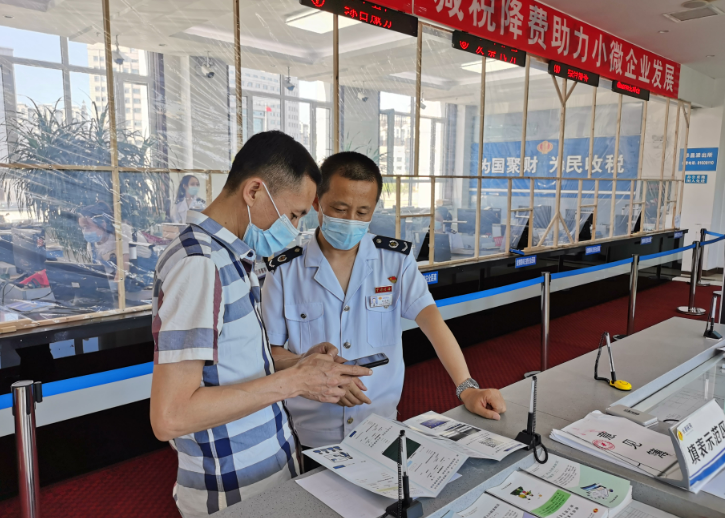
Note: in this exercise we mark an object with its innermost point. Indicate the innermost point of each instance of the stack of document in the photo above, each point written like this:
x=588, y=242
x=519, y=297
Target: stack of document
x=622, y=442
x=469, y=440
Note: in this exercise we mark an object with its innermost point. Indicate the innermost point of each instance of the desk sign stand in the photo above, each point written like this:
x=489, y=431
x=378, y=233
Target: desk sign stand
x=405, y=507
x=614, y=382
x=699, y=443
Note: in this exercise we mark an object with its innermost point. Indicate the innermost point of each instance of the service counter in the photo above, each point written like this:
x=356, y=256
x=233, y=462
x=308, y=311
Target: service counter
x=650, y=360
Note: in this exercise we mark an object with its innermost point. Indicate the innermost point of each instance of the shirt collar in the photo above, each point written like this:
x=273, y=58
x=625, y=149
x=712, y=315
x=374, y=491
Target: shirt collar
x=221, y=233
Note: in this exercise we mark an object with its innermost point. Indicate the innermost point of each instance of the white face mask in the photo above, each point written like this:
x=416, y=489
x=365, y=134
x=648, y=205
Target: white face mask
x=268, y=242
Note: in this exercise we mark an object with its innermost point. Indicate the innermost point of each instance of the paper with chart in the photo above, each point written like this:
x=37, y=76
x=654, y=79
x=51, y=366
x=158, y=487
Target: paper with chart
x=489, y=507
x=545, y=500
x=590, y=483
x=621, y=440
x=368, y=457
x=474, y=442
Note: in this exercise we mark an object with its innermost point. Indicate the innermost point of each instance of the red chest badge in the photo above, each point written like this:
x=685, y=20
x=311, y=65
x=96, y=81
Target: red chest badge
x=384, y=289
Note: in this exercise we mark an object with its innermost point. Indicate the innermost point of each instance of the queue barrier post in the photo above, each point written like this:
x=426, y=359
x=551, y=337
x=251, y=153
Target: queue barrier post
x=690, y=309
x=25, y=395
x=703, y=238
x=545, y=314
x=633, y=278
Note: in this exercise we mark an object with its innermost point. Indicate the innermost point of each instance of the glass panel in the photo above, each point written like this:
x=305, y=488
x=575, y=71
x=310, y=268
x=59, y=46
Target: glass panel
x=494, y=198
x=621, y=208
x=27, y=44
x=135, y=111
x=88, y=97
x=672, y=122
x=586, y=225
x=684, y=113
x=377, y=88
x=323, y=132
x=542, y=126
x=267, y=114
x=297, y=122
x=654, y=137
x=383, y=222
x=651, y=197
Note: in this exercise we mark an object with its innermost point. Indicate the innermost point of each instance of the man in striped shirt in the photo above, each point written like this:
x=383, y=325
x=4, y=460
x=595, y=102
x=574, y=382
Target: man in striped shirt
x=215, y=394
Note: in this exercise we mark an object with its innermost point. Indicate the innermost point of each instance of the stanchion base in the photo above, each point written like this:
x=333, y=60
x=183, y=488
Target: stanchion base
x=691, y=311
x=532, y=373
x=618, y=337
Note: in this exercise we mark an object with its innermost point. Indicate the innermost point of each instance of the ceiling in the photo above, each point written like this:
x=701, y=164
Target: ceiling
x=639, y=21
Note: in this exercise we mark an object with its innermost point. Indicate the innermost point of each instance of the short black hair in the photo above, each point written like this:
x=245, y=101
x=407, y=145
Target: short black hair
x=99, y=213
x=277, y=158
x=350, y=165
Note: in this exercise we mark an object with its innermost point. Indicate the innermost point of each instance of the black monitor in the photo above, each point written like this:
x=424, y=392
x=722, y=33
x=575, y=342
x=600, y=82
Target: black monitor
x=80, y=285
x=29, y=249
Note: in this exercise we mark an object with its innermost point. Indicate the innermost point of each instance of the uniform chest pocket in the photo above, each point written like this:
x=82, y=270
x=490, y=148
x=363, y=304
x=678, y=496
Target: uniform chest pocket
x=305, y=325
x=384, y=328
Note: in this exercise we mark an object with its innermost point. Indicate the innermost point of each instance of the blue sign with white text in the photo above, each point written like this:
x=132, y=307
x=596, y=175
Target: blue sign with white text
x=699, y=159
x=646, y=240
x=431, y=277
x=525, y=261
x=593, y=250
x=677, y=235
x=695, y=178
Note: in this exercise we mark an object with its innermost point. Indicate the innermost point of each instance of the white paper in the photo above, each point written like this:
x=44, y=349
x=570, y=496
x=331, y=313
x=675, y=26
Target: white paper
x=489, y=507
x=474, y=442
x=545, y=500
x=366, y=458
x=343, y=497
x=640, y=510
x=626, y=441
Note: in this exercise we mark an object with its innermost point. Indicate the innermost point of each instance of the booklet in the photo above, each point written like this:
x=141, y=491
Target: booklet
x=545, y=500
x=621, y=441
x=368, y=457
x=597, y=486
x=471, y=441
x=489, y=507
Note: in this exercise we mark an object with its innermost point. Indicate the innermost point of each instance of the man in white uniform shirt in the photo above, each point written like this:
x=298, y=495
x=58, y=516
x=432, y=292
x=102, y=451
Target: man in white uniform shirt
x=351, y=288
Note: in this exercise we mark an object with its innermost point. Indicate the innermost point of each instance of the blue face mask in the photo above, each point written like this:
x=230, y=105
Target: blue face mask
x=193, y=190
x=91, y=236
x=268, y=242
x=343, y=234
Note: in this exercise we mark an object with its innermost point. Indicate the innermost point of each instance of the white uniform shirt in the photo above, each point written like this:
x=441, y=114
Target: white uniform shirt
x=180, y=209
x=303, y=304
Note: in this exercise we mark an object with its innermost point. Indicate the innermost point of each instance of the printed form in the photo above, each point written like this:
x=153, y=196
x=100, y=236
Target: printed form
x=469, y=440
x=368, y=458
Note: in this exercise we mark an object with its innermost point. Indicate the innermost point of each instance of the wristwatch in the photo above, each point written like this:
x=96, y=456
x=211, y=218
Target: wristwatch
x=469, y=383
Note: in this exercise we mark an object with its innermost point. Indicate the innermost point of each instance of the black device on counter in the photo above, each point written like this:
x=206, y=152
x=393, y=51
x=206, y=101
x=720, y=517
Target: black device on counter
x=374, y=360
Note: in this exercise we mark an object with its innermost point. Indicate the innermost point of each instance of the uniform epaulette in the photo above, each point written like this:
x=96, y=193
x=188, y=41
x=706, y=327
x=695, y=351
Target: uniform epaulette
x=284, y=257
x=396, y=245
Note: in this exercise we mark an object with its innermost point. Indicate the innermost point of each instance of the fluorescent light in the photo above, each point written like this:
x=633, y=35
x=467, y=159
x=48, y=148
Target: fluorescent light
x=492, y=65
x=319, y=22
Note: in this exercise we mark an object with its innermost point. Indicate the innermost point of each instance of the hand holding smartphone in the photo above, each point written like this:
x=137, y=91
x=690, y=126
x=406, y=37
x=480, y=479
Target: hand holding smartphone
x=374, y=360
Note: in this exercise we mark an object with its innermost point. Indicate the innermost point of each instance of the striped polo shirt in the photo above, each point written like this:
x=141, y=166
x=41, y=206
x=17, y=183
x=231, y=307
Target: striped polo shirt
x=206, y=307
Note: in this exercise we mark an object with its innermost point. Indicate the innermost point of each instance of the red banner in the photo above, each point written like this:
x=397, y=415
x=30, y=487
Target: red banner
x=547, y=32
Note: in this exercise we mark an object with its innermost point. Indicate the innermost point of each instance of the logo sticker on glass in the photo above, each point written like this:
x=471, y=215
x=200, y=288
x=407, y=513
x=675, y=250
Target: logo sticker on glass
x=431, y=277
x=593, y=250
x=525, y=261
x=646, y=240
x=678, y=235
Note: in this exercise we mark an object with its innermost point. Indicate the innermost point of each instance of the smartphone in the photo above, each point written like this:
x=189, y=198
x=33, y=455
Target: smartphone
x=374, y=360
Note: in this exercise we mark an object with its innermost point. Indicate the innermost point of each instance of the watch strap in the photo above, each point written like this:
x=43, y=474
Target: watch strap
x=468, y=383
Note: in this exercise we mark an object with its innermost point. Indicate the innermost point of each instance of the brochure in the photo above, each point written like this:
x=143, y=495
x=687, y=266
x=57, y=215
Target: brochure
x=621, y=441
x=489, y=507
x=545, y=500
x=590, y=483
x=368, y=458
x=471, y=441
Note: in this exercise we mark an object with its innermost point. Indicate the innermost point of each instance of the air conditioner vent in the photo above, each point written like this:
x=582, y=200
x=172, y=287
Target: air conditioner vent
x=694, y=14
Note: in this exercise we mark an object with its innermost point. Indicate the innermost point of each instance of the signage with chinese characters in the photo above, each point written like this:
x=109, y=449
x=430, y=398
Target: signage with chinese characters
x=678, y=235
x=521, y=262
x=695, y=178
x=431, y=277
x=536, y=28
x=646, y=240
x=575, y=74
x=700, y=159
x=595, y=249
x=372, y=14
x=699, y=440
x=487, y=48
x=630, y=90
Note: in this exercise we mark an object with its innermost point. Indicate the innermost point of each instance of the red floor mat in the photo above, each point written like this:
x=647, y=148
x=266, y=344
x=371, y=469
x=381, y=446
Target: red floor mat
x=141, y=487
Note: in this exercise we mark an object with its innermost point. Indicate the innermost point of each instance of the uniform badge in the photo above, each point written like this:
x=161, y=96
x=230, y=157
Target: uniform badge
x=393, y=279
x=381, y=301
x=282, y=258
x=394, y=243
x=384, y=289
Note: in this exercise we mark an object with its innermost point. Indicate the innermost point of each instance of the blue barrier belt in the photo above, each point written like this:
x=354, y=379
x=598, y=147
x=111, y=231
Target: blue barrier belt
x=590, y=269
x=714, y=234
x=54, y=388
x=667, y=252
x=712, y=240
x=488, y=293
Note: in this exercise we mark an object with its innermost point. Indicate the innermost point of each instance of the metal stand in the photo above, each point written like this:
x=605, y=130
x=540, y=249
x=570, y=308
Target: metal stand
x=25, y=395
x=545, y=313
x=405, y=507
x=703, y=238
x=529, y=437
x=710, y=329
x=633, y=277
x=690, y=309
